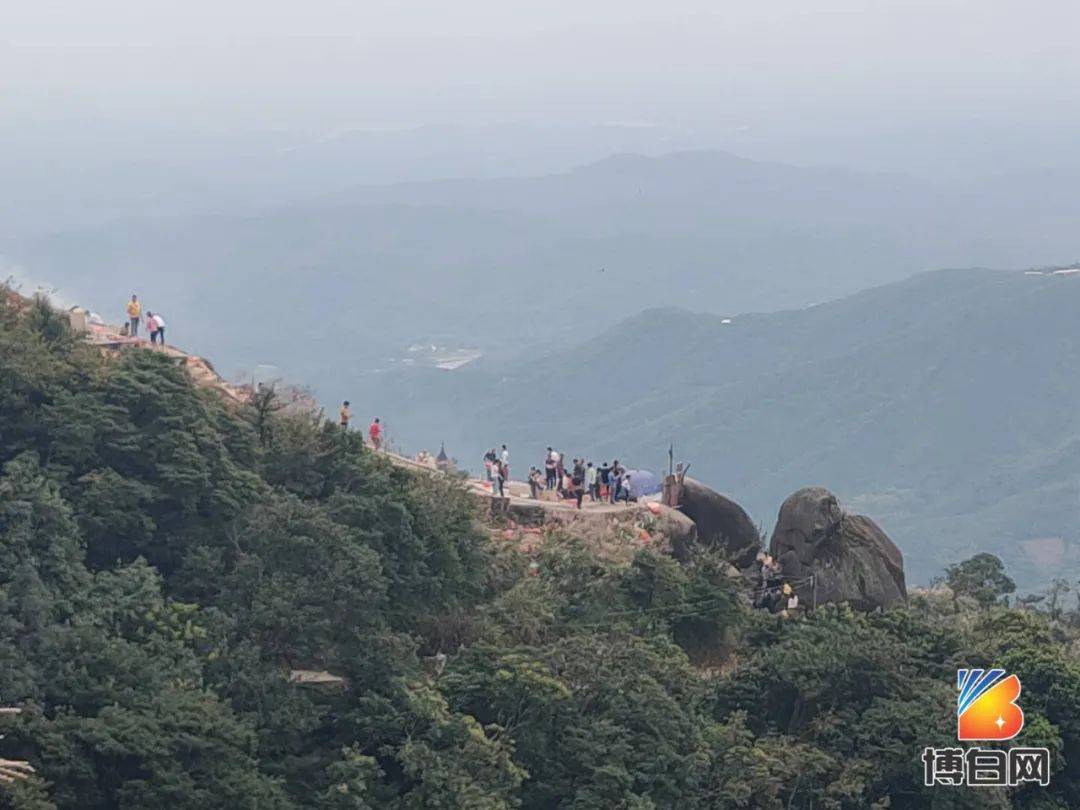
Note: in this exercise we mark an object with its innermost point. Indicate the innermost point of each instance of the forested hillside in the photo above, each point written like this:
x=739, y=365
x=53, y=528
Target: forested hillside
x=167, y=562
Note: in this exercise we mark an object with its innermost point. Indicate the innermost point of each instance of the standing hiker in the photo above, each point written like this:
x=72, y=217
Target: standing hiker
x=560, y=473
x=500, y=478
x=549, y=468
x=590, y=482
x=134, y=311
x=577, y=481
x=375, y=433
x=578, y=470
x=489, y=462
x=617, y=471
x=604, y=486
x=505, y=456
x=535, y=483
x=345, y=415
x=152, y=327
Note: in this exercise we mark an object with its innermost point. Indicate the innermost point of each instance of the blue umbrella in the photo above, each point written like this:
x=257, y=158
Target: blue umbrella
x=642, y=483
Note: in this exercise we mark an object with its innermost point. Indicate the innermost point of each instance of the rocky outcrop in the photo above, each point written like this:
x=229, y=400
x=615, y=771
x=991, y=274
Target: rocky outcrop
x=851, y=559
x=679, y=530
x=525, y=513
x=721, y=523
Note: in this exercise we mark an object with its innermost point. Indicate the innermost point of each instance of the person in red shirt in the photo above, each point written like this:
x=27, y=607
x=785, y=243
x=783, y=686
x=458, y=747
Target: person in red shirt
x=375, y=432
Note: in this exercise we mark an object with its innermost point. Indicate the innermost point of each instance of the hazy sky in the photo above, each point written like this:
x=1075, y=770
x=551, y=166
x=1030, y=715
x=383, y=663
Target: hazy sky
x=895, y=77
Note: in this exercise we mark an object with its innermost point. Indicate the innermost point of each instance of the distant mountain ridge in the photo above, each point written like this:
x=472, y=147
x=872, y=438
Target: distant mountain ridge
x=567, y=253
x=538, y=273
x=943, y=406
x=632, y=180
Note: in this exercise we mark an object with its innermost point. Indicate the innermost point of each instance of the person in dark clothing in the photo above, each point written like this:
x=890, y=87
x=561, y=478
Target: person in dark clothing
x=603, y=474
x=535, y=484
x=617, y=471
x=771, y=582
x=550, y=461
x=577, y=481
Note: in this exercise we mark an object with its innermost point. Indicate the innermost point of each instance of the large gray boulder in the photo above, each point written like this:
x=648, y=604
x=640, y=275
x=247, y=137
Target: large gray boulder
x=680, y=532
x=851, y=559
x=721, y=523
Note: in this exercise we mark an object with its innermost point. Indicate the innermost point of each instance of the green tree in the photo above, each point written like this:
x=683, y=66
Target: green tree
x=981, y=577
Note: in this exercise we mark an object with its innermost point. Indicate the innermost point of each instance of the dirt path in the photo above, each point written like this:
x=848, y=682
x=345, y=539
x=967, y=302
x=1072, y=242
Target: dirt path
x=109, y=338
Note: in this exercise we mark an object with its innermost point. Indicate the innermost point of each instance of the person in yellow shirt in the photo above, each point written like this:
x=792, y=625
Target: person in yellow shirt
x=134, y=310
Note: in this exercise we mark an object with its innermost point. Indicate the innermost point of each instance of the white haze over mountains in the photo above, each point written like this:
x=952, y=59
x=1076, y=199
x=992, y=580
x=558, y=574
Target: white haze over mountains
x=119, y=108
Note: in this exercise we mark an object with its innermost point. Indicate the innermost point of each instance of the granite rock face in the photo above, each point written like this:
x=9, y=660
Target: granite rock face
x=721, y=523
x=851, y=559
x=681, y=533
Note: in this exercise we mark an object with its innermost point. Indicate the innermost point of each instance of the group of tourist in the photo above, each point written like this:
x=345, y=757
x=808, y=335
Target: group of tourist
x=773, y=593
x=601, y=482
x=374, y=429
x=155, y=324
x=497, y=469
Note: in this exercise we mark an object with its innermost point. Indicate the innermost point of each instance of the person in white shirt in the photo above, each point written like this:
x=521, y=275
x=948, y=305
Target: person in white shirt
x=160, y=331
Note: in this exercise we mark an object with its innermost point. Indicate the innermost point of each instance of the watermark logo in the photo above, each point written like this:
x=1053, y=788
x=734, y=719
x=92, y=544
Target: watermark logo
x=986, y=710
x=986, y=706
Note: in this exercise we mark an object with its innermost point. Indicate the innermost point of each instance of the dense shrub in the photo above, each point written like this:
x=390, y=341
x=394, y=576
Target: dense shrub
x=167, y=562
